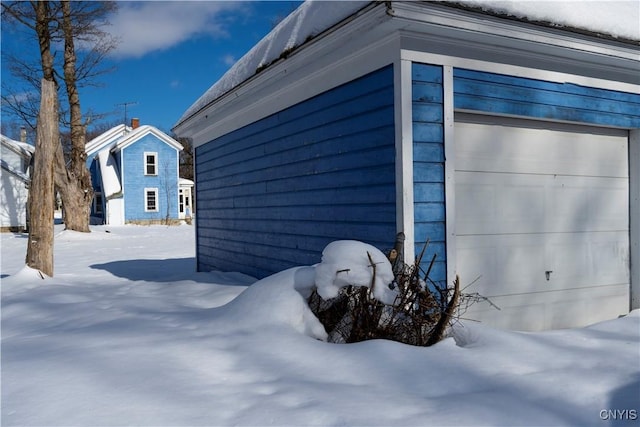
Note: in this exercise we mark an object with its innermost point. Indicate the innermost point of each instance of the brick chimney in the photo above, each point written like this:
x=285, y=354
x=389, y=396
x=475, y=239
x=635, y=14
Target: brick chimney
x=135, y=123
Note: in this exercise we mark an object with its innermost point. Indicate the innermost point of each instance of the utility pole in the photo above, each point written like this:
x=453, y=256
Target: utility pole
x=125, y=104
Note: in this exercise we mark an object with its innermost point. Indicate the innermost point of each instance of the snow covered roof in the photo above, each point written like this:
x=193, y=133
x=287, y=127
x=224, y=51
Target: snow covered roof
x=13, y=171
x=617, y=19
x=143, y=131
x=22, y=148
x=308, y=20
x=106, y=139
x=121, y=136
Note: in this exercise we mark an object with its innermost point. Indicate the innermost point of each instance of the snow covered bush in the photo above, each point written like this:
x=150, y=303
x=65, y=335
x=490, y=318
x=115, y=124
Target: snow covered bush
x=360, y=296
x=353, y=263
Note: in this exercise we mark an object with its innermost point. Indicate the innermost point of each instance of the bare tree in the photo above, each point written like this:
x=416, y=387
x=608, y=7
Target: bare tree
x=68, y=24
x=73, y=182
x=186, y=157
x=169, y=189
x=41, y=193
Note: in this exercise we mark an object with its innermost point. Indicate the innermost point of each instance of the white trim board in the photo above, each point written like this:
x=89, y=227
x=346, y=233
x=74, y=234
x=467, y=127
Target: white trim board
x=449, y=173
x=634, y=216
x=404, y=157
x=516, y=71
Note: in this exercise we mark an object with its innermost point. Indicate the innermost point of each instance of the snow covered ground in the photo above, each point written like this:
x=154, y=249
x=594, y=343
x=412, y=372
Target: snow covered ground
x=126, y=333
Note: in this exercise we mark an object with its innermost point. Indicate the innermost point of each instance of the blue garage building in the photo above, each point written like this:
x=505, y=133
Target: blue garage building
x=513, y=145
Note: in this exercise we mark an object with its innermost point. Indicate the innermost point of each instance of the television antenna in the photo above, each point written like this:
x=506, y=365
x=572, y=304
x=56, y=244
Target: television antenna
x=125, y=105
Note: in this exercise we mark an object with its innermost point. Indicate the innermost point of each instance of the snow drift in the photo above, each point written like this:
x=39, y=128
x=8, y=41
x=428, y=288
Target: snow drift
x=127, y=333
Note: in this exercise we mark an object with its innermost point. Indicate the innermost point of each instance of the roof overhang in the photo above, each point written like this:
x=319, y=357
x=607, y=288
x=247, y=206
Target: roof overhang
x=388, y=32
x=105, y=139
x=140, y=133
x=121, y=136
x=21, y=148
x=467, y=33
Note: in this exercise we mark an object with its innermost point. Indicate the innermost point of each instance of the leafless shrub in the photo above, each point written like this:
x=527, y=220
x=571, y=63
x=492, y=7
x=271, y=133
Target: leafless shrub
x=420, y=314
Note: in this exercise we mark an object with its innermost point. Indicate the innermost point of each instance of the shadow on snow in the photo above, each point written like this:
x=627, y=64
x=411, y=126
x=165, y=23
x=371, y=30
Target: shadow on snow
x=152, y=270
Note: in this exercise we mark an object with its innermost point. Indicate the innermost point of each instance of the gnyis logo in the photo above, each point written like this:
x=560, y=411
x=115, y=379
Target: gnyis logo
x=619, y=414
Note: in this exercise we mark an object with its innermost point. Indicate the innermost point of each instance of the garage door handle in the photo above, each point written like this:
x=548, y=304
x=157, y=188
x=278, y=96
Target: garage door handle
x=548, y=274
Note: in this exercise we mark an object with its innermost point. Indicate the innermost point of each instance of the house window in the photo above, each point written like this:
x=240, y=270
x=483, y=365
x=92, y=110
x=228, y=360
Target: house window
x=151, y=200
x=151, y=163
x=97, y=203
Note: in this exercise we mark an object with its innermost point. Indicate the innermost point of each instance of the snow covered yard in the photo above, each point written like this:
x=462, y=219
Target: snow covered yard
x=126, y=333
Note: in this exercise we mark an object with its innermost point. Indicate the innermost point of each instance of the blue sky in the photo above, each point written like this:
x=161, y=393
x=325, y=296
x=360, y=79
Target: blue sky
x=169, y=54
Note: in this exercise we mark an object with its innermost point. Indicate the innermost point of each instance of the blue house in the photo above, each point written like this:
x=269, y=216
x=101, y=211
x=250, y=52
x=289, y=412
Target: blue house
x=134, y=170
x=512, y=143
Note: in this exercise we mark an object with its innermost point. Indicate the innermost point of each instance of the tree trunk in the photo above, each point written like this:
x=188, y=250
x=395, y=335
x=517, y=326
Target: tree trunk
x=43, y=19
x=41, y=191
x=76, y=202
x=73, y=180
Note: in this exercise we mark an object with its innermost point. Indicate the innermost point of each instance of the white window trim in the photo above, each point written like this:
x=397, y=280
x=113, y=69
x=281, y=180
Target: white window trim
x=155, y=164
x=146, y=206
x=181, y=201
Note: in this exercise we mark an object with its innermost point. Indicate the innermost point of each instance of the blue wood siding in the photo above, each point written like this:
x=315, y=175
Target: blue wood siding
x=135, y=181
x=273, y=194
x=518, y=96
x=94, y=170
x=428, y=167
x=96, y=182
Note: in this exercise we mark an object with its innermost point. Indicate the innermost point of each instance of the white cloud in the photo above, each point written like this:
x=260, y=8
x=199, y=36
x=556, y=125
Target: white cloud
x=144, y=27
x=229, y=60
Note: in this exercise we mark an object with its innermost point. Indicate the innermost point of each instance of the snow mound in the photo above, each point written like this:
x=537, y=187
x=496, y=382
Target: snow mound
x=346, y=262
x=280, y=300
x=26, y=277
x=274, y=302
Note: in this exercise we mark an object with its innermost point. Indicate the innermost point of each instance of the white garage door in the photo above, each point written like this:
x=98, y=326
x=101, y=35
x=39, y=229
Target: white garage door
x=542, y=222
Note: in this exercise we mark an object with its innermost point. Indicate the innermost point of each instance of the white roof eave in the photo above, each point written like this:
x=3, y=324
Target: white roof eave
x=305, y=23
x=21, y=148
x=143, y=131
x=105, y=139
x=245, y=68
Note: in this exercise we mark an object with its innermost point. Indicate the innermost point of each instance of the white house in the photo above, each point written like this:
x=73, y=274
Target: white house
x=508, y=135
x=14, y=183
